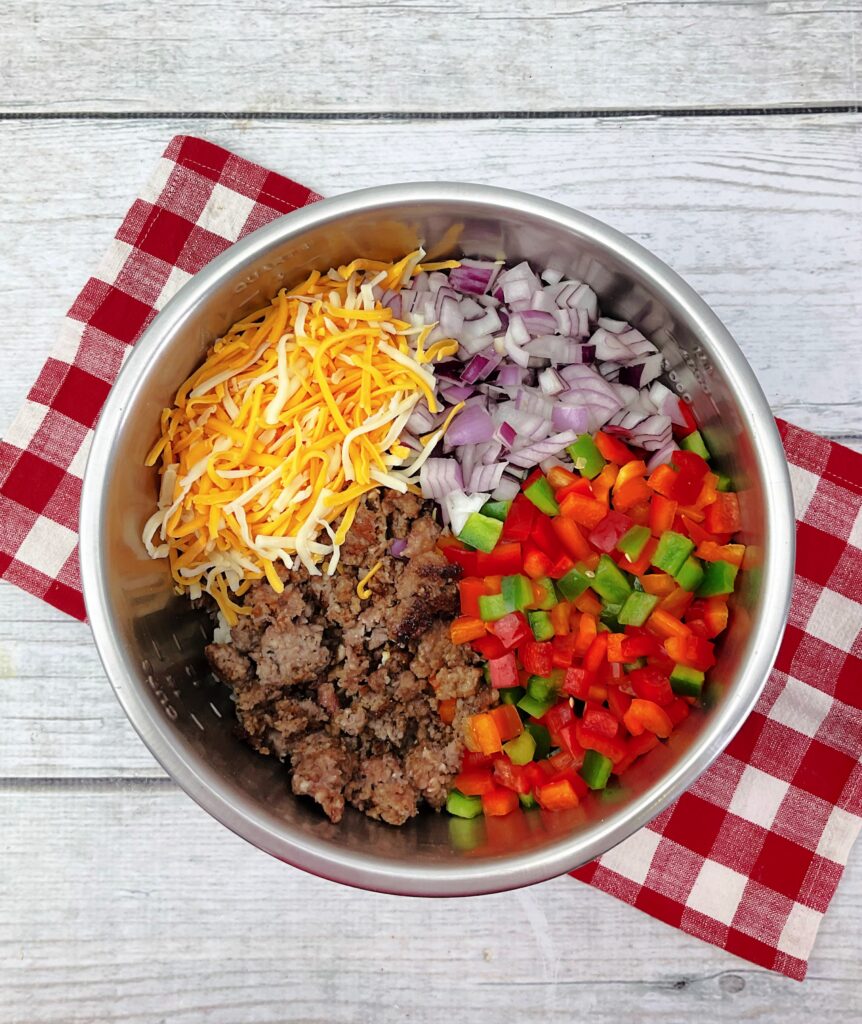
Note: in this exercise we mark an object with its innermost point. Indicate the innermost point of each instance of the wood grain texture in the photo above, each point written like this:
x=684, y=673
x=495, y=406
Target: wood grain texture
x=763, y=216
x=140, y=908
x=478, y=55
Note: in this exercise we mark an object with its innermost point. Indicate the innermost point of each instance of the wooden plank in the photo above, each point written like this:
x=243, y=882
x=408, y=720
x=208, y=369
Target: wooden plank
x=132, y=906
x=486, y=55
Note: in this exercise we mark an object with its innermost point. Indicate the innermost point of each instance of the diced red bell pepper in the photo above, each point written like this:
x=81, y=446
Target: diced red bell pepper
x=512, y=630
x=643, y=562
x=471, y=759
x=569, y=743
x=663, y=480
x=581, y=486
x=558, y=795
x=455, y=554
x=615, y=648
x=650, y=684
x=470, y=589
x=661, y=661
x=690, y=421
x=677, y=711
x=519, y=520
x=611, y=746
x=597, y=653
x=474, y=781
x=607, y=534
x=570, y=537
x=611, y=673
x=647, y=715
x=699, y=535
x=637, y=747
x=600, y=720
x=578, y=681
x=510, y=776
x=692, y=469
x=564, y=647
x=611, y=449
x=602, y=484
x=537, y=658
x=503, y=671
x=489, y=646
x=661, y=514
x=499, y=801
x=676, y=602
x=563, y=766
x=722, y=516
x=536, y=562
x=560, y=567
x=640, y=646
x=618, y=701
x=588, y=512
x=561, y=615
x=708, y=617
x=587, y=632
x=544, y=536
x=557, y=716
x=504, y=560
x=691, y=650
x=507, y=721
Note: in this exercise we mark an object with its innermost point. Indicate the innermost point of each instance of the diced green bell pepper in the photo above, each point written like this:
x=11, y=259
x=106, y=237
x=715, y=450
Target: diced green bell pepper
x=687, y=682
x=518, y=592
x=546, y=584
x=633, y=542
x=690, y=575
x=609, y=582
x=528, y=801
x=521, y=749
x=541, y=494
x=463, y=806
x=609, y=616
x=534, y=708
x=630, y=666
x=542, y=737
x=596, y=769
x=541, y=625
x=574, y=583
x=496, y=509
x=672, y=551
x=511, y=694
x=724, y=483
x=544, y=688
x=586, y=456
x=637, y=609
x=493, y=607
x=694, y=442
x=718, y=578
x=481, y=532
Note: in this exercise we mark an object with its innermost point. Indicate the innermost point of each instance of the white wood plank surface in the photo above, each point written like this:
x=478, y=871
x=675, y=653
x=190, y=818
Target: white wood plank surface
x=762, y=215
x=468, y=55
x=140, y=908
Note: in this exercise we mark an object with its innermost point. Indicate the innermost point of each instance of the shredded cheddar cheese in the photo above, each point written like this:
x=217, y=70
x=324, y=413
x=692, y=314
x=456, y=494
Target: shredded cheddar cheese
x=363, y=591
x=293, y=416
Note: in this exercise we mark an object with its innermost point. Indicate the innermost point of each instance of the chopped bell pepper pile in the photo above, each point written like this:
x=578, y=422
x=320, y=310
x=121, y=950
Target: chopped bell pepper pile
x=595, y=597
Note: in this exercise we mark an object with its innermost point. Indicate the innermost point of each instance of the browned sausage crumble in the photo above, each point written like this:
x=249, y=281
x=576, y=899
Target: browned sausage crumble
x=346, y=690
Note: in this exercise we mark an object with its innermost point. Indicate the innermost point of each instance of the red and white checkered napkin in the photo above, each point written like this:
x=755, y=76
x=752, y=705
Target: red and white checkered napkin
x=750, y=857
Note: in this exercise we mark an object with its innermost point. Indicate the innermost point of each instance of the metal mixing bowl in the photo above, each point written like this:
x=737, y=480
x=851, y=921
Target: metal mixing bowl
x=151, y=642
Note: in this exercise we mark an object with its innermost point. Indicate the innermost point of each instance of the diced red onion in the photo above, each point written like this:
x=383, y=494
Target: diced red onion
x=458, y=507
x=551, y=382
x=538, y=450
x=662, y=456
x=570, y=417
x=396, y=548
x=486, y=477
x=510, y=376
x=471, y=425
x=474, y=276
x=439, y=477
x=506, y=489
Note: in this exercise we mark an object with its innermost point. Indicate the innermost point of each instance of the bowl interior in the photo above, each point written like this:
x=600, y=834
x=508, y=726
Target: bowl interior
x=152, y=641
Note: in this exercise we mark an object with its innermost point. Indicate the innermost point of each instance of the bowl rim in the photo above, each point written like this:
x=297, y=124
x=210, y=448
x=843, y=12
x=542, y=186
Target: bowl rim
x=364, y=869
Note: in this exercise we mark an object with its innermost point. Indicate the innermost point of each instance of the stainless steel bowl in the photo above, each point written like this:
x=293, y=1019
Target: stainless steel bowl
x=151, y=642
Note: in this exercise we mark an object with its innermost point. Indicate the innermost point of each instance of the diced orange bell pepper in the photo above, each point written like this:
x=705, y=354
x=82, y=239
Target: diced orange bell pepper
x=584, y=511
x=598, y=692
x=635, y=492
x=611, y=449
x=559, y=476
x=709, y=551
x=708, y=491
x=558, y=795
x=676, y=602
x=663, y=624
x=494, y=584
x=694, y=651
x=708, y=617
x=470, y=590
x=573, y=542
x=587, y=630
x=446, y=710
x=507, y=721
x=639, y=513
x=536, y=563
x=603, y=483
x=596, y=653
x=560, y=616
x=484, y=732
x=662, y=480
x=647, y=715
x=473, y=781
x=661, y=514
x=698, y=534
x=615, y=647
x=722, y=516
x=658, y=583
x=499, y=801
x=466, y=628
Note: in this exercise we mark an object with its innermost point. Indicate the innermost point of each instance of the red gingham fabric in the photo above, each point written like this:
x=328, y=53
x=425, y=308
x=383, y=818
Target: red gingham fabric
x=750, y=857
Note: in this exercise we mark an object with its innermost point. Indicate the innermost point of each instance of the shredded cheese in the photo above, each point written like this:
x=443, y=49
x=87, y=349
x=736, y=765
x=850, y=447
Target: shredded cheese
x=292, y=417
x=363, y=591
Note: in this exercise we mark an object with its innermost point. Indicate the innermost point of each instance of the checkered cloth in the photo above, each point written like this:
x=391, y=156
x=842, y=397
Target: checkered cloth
x=750, y=857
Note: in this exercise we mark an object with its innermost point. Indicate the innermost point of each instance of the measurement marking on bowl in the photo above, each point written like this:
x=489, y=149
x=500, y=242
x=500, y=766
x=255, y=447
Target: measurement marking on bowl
x=177, y=642
x=215, y=710
x=196, y=720
x=203, y=631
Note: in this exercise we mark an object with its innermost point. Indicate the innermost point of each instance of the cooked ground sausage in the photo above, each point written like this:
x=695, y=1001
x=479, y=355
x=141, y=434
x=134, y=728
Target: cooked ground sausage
x=345, y=690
